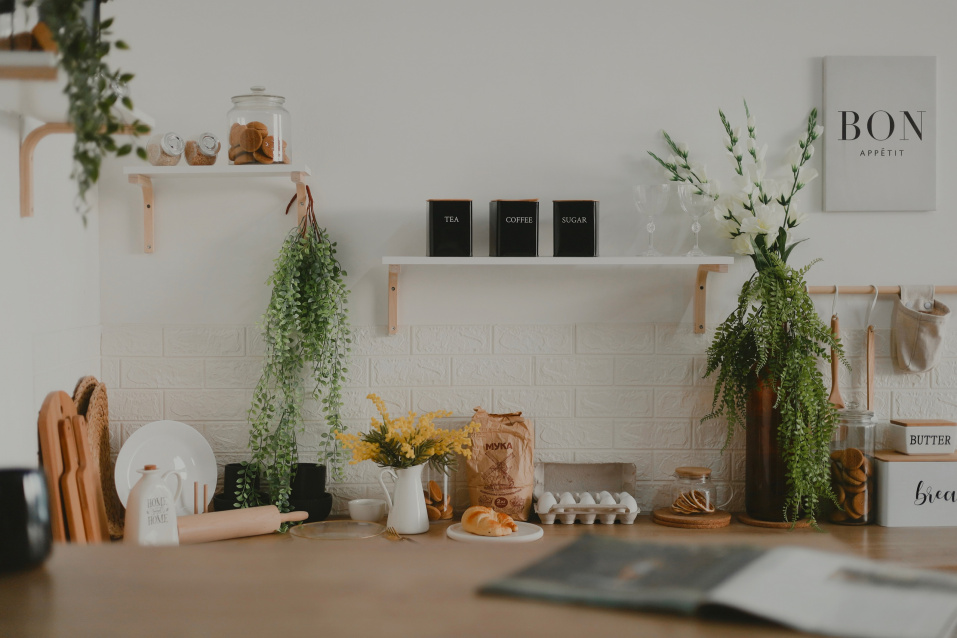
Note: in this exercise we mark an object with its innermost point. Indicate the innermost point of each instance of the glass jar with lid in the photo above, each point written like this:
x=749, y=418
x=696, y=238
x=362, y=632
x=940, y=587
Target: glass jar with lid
x=259, y=129
x=165, y=149
x=693, y=492
x=852, y=466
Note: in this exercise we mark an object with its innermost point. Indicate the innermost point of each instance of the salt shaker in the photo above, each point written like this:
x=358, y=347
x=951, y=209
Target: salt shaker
x=151, y=509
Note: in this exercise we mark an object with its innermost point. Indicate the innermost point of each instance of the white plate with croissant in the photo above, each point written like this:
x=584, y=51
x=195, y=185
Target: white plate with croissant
x=485, y=525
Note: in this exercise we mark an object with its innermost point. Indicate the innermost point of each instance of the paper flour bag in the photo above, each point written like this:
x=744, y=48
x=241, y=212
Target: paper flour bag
x=501, y=472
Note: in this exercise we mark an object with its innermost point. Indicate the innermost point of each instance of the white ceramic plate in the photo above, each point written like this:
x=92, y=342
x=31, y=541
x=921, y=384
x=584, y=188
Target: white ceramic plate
x=169, y=445
x=526, y=533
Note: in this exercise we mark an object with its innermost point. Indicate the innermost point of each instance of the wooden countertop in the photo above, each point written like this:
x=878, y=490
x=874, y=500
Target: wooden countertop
x=277, y=584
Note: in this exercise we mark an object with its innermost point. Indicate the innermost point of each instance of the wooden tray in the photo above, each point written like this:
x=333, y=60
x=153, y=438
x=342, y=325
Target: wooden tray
x=669, y=518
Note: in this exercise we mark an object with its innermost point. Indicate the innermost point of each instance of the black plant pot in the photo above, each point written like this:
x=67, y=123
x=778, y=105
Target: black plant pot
x=318, y=508
x=25, y=535
x=309, y=481
x=232, y=483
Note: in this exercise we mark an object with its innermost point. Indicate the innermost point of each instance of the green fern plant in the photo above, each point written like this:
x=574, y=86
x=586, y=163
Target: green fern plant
x=775, y=337
x=92, y=89
x=306, y=334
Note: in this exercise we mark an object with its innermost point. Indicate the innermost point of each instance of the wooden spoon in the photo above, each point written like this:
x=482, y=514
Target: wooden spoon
x=835, y=397
x=869, y=350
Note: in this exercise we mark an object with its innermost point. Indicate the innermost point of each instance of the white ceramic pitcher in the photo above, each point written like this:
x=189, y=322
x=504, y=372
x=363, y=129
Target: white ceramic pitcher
x=151, y=509
x=407, y=509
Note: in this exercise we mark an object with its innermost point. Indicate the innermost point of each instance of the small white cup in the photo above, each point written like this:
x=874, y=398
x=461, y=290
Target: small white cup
x=366, y=509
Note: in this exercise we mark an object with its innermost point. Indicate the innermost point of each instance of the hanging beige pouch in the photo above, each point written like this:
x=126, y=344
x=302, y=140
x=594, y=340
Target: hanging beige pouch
x=918, y=328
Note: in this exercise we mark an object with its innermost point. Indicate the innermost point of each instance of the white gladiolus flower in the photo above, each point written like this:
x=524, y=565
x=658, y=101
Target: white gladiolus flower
x=796, y=217
x=752, y=121
x=818, y=130
x=742, y=245
x=810, y=150
x=743, y=184
x=672, y=159
x=767, y=219
x=700, y=170
x=761, y=152
x=808, y=173
x=793, y=155
x=726, y=227
x=751, y=144
x=682, y=147
x=737, y=132
x=757, y=171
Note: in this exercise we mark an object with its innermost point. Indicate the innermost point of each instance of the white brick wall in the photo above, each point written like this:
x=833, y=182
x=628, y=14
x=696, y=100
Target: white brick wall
x=596, y=392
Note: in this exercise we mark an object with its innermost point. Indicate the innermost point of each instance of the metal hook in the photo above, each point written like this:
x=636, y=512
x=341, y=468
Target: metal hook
x=867, y=320
x=837, y=293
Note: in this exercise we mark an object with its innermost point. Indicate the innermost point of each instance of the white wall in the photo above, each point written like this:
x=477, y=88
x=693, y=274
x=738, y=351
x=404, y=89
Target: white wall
x=397, y=102
x=49, y=285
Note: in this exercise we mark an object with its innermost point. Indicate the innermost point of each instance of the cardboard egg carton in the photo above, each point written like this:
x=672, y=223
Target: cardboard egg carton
x=585, y=492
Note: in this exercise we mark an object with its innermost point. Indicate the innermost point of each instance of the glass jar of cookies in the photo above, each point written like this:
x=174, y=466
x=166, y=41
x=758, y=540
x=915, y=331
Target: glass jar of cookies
x=259, y=129
x=435, y=488
x=852, y=467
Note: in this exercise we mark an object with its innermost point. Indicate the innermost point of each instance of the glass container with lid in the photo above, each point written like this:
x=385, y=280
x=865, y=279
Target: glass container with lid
x=202, y=150
x=259, y=129
x=852, y=466
x=165, y=149
x=693, y=492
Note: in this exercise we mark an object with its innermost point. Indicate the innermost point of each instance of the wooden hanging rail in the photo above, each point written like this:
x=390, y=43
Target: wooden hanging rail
x=869, y=290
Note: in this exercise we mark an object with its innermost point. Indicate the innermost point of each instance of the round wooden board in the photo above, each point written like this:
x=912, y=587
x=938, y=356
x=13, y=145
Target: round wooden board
x=747, y=520
x=669, y=518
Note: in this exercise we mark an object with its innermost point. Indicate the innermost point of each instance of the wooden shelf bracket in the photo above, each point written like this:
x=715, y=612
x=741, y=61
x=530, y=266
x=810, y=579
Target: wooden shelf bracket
x=149, y=206
x=27, y=146
x=701, y=293
x=394, y=298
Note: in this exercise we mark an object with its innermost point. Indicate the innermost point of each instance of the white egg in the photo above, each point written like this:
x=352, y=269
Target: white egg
x=605, y=498
x=567, y=499
x=586, y=499
x=628, y=501
x=545, y=502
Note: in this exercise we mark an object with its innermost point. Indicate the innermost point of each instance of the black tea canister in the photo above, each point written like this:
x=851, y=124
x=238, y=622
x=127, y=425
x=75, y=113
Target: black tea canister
x=575, y=228
x=513, y=228
x=450, y=228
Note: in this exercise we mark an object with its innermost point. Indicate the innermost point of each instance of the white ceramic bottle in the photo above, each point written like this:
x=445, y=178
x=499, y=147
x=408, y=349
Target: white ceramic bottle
x=151, y=509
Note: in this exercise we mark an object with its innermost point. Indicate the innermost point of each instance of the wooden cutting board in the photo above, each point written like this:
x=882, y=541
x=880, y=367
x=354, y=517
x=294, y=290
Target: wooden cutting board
x=56, y=405
x=88, y=483
x=69, y=488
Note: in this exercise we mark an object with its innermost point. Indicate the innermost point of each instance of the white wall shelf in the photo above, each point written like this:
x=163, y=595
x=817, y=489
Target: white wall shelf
x=705, y=265
x=28, y=65
x=143, y=177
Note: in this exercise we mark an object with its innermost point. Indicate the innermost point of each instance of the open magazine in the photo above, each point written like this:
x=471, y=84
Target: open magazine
x=808, y=590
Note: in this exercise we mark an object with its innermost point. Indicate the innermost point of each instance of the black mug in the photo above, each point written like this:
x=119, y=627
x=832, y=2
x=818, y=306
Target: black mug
x=25, y=535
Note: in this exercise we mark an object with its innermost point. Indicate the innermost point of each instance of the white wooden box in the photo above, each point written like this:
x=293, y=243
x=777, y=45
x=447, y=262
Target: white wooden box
x=916, y=491
x=923, y=436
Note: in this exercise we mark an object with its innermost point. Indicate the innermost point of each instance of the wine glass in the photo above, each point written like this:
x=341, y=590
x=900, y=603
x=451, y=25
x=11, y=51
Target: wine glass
x=696, y=203
x=650, y=200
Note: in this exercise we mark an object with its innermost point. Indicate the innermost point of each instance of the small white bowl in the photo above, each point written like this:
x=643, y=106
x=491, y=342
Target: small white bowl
x=367, y=509
x=923, y=436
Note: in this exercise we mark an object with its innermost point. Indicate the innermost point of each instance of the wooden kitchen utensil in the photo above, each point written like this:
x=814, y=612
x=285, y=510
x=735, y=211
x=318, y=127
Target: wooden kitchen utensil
x=869, y=352
x=68, y=484
x=238, y=523
x=835, y=397
x=88, y=482
x=55, y=406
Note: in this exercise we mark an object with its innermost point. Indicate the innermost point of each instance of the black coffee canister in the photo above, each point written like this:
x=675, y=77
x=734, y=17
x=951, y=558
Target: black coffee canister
x=25, y=534
x=575, y=228
x=450, y=228
x=513, y=228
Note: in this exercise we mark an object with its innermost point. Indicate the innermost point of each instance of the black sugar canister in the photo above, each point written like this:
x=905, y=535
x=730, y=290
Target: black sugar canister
x=450, y=228
x=575, y=227
x=513, y=228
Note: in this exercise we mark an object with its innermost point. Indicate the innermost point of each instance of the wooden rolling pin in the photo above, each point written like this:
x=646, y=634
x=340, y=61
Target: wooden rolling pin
x=219, y=526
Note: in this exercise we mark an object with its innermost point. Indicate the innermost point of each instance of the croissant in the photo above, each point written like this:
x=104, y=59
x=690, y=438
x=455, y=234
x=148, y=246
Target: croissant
x=484, y=521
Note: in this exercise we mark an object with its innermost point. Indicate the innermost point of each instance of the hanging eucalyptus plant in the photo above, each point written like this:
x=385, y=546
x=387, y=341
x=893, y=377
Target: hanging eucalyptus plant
x=92, y=88
x=306, y=333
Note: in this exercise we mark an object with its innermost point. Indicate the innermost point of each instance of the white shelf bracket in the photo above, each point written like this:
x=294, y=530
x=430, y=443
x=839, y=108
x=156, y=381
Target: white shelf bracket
x=701, y=293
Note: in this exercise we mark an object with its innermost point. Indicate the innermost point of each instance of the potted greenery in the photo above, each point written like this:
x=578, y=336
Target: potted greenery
x=765, y=353
x=306, y=334
x=92, y=87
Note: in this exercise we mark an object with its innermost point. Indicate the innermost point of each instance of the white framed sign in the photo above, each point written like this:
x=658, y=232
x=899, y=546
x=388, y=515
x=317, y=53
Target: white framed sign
x=880, y=133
